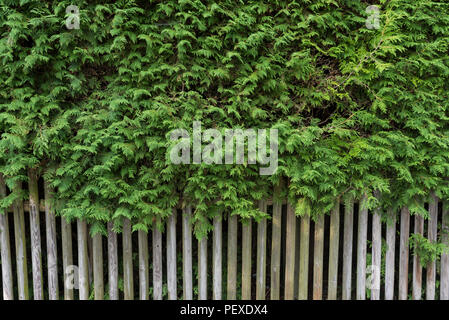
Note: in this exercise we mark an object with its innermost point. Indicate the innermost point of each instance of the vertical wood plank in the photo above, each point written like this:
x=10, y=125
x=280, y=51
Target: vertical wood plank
x=304, y=258
x=97, y=249
x=318, y=259
x=261, y=254
x=444, y=272
x=36, y=252
x=334, y=237
x=361, y=250
x=276, y=251
x=90, y=257
x=217, y=249
x=112, y=263
x=290, y=244
x=417, y=268
x=347, y=248
x=5, y=246
x=144, y=280
x=67, y=256
x=432, y=236
x=171, y=256
x=389, y=256
x=83, y=266
x=52, y=252
x=157, y=261
x=376, y=254
x=232, y=259
x=202, y=269
x=246, y=260
x=403, y=254
x=128, y=283
x=21, y=253
x=187, y=253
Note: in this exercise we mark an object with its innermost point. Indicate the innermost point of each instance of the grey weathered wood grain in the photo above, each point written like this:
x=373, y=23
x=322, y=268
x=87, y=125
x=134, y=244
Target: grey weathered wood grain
x=334, y=237
x=157, y=261
x=112, y=263
x=347, y=248
x=389, y=256
x=128, y=283
x=5, y=245
x=144, y=280
x=97, y=249
x=361, y=251
x=67, y=256
x=432, y=236
x=403, y=254
x=290, y=244
x=231, y=287
x=36, y=251
x=187, y=253
x=202, y=269
x=261, y=254
x=216, y=257
x=444, y=272
x=318, y=258
x=20, y=242
x=376, y=254
x=83, y=266
x=417, y=268
x=303, y=280
x=171, y=256
x=246, y=260
x=276, y=251
x=52, y=247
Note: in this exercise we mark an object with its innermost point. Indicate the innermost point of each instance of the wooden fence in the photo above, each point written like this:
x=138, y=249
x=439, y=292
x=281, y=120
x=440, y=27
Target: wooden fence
x=339, y=256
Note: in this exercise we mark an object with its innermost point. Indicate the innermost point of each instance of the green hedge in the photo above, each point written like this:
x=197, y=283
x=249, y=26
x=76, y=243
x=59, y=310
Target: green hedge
x=358, y=110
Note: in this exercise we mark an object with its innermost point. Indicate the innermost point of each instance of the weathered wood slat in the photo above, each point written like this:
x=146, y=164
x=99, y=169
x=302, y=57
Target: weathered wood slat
x=97, y=248
x=21, y=253
x=432, y=230
x=347, y=248
x=290, y=244
x=67, y=256
x=318, y=259
x=90, y=256
x=83, y=260
x=403, y=254
x=171, y=256
x=112, y=263
x=232, y=259
x=261, y=254
x=144, y=280
x=389, y=256
x=303, y=280
x=128, y=283
x=187, y=253
x=36, y=252
x=52, y=252
x=444, y=273
x=5, y=245
x=157, y=261
x=376, y=254
x=217, y=267
x=202, y=269
x=417, y=268
x=246, y=260
x=334, y=236
x=276, y=251
x=361, y=250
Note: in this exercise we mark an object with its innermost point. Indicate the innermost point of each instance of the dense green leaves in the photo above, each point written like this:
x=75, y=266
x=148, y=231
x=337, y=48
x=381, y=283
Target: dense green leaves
x=358, y=110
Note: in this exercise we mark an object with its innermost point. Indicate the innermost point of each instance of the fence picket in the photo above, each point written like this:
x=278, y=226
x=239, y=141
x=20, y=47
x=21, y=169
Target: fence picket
x=67, y=256
x=217, y=248
x=403, y=254
x=261, y=254
x=361, y=250
x=52, y=252
x=389, y=256
x=303, y=280
x=112, y=263
x=144, y=281
x=347, y=248
x=171, y=256
x=376, y=254
x=97, y=249
x=417, y=268
x=246, y=260
x=318, y=259
x=5, y=246
x=290, y=243
x=187, y=253
x=202, y=269
x=83, y=266
x=334, y=237
x=232, y=259
x=444, y=273
x=432, y=236
x=128, y=283
x=157, y=261
x=276, y=251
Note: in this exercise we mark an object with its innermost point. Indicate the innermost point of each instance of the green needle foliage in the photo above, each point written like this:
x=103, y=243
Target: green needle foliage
x=358, y=110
